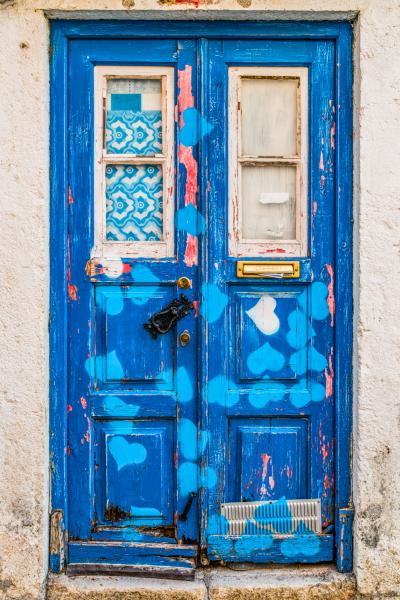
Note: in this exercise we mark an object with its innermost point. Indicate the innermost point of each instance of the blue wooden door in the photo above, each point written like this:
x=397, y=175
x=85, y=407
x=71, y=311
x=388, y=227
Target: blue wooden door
x=132, y=382
x=269, y=288
x=202, y=167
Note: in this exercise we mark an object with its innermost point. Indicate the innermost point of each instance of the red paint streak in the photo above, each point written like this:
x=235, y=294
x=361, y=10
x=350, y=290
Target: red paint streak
x=276, y=250
x=70, y=197
x=289, y=472
x=331, y=296
x=321, y=162
x=333, y=133
x=175, y=460
x=126, y=268
x=322, y=181
x=72, y=289
x=329, y=377
x=271, y=480
x=194, y=3
x=186, y=158
x=315, y=206
x=196, y=308
x=191, y=252
x=265, y=458
x=69, y=408
x=68, y=451
x=87, y=434
x=83, y=403
x=326, y=482
x=185, y=96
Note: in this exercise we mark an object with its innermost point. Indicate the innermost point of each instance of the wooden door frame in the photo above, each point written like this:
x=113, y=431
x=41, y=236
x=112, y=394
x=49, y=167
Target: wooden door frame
x=62, y=31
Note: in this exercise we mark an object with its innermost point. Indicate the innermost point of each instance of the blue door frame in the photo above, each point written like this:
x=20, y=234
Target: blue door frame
x=340, y=35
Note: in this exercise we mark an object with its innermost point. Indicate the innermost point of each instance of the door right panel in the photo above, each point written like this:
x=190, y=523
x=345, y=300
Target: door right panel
x=269, y=386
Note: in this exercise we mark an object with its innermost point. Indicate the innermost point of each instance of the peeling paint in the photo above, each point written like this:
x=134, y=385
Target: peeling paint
x=331, y=294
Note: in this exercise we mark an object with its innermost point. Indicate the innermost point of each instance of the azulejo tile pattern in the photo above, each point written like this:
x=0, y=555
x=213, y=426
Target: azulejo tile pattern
x=134, y=207
x=131, y=132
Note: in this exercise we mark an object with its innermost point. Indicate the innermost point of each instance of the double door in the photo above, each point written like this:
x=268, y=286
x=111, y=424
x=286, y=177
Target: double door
x=201, y=302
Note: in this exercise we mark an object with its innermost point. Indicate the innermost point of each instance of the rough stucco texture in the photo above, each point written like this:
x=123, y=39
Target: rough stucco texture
x=24, y=273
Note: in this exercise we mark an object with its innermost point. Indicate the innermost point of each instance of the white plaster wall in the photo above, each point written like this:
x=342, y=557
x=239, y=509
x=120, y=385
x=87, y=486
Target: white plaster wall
x=24, y=274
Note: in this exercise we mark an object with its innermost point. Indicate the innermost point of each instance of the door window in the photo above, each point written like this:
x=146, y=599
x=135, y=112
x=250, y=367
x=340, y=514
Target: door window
x=134, y=178
x=268, y=161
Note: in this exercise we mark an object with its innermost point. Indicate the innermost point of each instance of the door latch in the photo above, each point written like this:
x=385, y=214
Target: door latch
x=163, y=321
x=184, y=514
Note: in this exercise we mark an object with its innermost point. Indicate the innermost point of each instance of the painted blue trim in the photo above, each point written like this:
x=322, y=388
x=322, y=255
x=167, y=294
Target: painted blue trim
x=250, y=548
x=58, y=278
x=61, y=32
x=203, y=278
x=343, y=291
x=99, y=29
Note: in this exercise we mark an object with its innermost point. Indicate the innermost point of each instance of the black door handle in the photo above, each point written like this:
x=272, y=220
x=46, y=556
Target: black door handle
x=161, y=322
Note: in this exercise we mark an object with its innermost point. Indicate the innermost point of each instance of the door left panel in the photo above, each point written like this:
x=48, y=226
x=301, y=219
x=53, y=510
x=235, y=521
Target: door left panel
x=126, y=388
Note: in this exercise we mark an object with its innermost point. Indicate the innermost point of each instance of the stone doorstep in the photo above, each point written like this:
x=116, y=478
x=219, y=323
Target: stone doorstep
x=271, y=583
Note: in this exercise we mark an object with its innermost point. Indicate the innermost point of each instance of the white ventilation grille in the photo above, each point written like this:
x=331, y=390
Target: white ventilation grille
x=277, y=516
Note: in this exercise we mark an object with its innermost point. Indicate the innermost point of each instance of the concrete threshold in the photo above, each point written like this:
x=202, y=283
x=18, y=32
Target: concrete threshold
x=221, y=583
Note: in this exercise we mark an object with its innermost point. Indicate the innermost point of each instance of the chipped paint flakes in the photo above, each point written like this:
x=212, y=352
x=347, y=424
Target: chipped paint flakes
x=329, y=375
x=331, y=296
x=70, y=197
x=185, y=96
x=191, y=252
x=187, y=159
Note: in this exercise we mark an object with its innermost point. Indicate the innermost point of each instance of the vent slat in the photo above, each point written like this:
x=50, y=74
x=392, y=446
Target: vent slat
x=276, y=516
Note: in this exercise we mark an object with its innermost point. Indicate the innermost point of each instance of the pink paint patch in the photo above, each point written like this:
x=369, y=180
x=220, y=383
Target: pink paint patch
x=83, y=403
x=72, y=289
x=321, y=162
x=329, y=375
x=265, y=458
x=126, y=268
x=196, y=308
x=87, y=434
x=331, y=295
x=70, y=197
x=191, y=252
x=315, y=206
x=333, y=133
x=185, y=96
x=186, y=158
x=322, y=181
x=69, y=408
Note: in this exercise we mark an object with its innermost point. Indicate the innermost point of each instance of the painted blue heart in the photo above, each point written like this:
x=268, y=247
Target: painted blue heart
x=195, y=127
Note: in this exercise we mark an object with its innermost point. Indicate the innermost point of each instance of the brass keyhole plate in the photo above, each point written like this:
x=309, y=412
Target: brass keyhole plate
x=184, y=283
x=184, y=338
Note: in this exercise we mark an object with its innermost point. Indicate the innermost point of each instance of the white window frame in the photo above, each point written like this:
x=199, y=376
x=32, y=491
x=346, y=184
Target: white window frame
x=238, y=246
x=151, y=249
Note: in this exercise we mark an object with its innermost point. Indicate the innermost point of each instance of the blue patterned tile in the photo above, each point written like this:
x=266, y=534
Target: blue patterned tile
x=134, y=208
x=129, y=132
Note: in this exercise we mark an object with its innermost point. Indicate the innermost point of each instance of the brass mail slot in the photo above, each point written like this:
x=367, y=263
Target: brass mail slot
x=273, y=269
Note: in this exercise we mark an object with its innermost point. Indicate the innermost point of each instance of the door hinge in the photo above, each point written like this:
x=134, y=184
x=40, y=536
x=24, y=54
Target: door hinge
x=344, y=543
x=57, y=541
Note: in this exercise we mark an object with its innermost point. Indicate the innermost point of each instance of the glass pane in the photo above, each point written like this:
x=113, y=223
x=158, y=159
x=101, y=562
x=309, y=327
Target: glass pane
x=269, y=202
x=134, y=116
x=134, y=203
x=269, y=116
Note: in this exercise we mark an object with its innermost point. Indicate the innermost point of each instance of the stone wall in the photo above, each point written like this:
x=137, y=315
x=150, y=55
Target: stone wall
x=24, y=270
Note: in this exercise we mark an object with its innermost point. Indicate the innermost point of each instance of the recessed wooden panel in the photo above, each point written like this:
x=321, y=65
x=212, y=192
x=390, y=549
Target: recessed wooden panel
x=269, y=459
x=126, y=354
x=271, y=331
x=134, y=472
